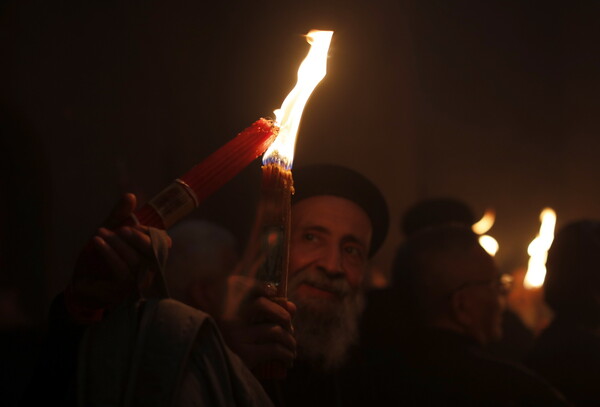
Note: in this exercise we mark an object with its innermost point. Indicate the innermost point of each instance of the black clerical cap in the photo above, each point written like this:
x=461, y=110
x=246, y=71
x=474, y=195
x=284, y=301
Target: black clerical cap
x=329, y=179
x=436, y=212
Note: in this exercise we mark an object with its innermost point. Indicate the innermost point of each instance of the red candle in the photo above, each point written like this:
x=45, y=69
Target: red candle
x=186, y=193
x=177, y=200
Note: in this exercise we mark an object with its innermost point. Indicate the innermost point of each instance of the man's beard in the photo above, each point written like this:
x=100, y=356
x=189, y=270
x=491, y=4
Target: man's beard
x=325, y=328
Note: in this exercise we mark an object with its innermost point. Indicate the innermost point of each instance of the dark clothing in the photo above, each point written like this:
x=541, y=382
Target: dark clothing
x=568, y=355
x=517, y=339
x=53, y=380
x=442, y=368
x=306, y=386
x=155, y=352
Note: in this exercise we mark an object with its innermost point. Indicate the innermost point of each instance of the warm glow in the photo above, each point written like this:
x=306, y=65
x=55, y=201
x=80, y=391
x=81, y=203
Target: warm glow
x=485, y=223
x=489, y=244
x=310, y=73
x=538, y=250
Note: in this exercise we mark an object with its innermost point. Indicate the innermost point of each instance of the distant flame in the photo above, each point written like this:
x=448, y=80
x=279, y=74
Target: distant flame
x=310, y=73
x=485, y=223
x=538, y=250
x=489, y=244
x=482, y=226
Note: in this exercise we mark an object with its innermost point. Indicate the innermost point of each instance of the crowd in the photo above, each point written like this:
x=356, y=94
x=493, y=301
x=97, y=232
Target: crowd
x=195, y=328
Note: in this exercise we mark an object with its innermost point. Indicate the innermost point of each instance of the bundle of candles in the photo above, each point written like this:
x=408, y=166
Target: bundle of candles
x=186, y=192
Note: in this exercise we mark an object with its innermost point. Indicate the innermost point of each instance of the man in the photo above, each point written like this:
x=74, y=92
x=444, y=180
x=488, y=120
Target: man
x=338, y=221
x=457, y=296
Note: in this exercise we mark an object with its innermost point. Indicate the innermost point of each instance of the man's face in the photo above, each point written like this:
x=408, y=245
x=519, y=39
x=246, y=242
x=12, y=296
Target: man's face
x=485, y=297
x=330, y=239
x=329, y=245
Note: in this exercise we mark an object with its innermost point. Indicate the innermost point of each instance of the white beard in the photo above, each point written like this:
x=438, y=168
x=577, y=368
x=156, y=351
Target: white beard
x=325, y=329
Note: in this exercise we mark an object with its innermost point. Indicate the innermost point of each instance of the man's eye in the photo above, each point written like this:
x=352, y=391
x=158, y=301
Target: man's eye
x=310, y=237
x=353, y=251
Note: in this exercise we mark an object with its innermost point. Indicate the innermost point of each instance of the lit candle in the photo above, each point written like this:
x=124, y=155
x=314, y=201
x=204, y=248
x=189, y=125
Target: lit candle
x=272, y=226
x=538, y=251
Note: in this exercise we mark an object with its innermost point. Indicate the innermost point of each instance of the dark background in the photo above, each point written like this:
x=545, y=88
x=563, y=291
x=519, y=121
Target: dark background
x=492, y=102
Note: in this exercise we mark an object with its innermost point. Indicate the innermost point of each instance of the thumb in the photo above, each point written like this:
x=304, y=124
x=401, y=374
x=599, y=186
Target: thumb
x=121, y=211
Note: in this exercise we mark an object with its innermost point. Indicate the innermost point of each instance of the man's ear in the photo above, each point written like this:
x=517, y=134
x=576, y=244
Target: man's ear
x=459, y=303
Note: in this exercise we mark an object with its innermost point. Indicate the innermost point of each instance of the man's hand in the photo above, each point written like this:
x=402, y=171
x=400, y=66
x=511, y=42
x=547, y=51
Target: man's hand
x=108, y=269
x=254, y=326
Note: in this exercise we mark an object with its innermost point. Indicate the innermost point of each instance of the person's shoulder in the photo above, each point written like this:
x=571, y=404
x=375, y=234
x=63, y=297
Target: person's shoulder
x=522, y=382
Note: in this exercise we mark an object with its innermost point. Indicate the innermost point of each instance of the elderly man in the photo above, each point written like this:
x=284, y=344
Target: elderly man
x=457, y=299
x=339, y=220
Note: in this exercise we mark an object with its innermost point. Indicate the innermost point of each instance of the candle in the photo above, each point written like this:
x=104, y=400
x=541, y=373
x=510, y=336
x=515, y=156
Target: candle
x=538, y=250
x=274, y=220
x=272, y=226
x=185, y=193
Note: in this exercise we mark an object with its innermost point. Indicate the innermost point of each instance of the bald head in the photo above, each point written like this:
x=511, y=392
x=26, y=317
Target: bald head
x=453, y=281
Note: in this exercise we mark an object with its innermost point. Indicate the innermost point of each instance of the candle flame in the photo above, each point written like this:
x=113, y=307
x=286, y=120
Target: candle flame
x=538, y=250
x=312, y=70
x=489, y=244
x=485, y=223
x=482, y=226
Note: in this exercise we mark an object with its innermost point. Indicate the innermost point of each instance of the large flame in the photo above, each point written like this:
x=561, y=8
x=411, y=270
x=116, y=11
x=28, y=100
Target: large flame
x=538, y=250
x=482, y=226
x=310, y=73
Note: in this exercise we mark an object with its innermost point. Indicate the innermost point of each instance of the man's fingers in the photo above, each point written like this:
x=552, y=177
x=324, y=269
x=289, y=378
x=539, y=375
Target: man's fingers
x=264, y=309
x=116, y=264
x=290, y=307
x=122, y=248
x=122, y=211
x=137, y=237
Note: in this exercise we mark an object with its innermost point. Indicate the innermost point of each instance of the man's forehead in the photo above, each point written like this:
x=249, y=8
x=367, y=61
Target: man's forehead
x=331, y=212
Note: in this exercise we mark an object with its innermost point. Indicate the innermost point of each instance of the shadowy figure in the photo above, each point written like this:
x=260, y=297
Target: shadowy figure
x=567, y=352
x=378, y=332
x=456, y=297
x=202, y=255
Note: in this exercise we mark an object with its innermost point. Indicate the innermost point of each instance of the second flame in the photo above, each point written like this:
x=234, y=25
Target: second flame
x=538, y=250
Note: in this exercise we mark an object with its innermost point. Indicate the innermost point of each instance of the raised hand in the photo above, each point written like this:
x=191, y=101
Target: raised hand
x=110, y=267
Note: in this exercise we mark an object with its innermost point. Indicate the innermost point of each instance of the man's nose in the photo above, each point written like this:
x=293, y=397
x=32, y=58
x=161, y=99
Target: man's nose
x=332, y=262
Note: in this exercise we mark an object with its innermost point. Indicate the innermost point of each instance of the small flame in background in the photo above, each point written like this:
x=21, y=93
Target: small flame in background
x=312, y=70
x=538, y=250
x=481, y=227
